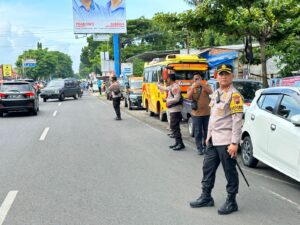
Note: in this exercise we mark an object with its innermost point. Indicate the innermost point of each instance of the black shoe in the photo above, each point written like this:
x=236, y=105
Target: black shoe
x=229, y=206
x=171, y=136
x=118, y=118
x=204, y=200
x=179, y=147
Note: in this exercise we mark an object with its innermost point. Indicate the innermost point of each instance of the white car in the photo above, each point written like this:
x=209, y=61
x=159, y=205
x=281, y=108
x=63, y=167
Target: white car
x=271, y=132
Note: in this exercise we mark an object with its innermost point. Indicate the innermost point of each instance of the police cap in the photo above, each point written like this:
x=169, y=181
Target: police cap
x=224, y=68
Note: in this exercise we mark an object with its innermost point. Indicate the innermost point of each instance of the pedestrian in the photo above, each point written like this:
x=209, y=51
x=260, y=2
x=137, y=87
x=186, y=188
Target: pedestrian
x=174, y=105
x=114, y=88
x=99, y=82
x=199, y=94
x=224, y=133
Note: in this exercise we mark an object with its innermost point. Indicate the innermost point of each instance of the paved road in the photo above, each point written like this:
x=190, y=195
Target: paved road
x=74, y=165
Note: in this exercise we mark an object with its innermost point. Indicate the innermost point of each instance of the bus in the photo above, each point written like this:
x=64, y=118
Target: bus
x=156, y=72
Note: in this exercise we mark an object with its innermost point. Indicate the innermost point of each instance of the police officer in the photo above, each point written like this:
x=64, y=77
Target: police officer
x=114, y=88
x=222, y=141
x=174, y=105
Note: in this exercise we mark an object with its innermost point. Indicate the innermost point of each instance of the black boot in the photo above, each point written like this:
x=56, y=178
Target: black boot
x=200, y=151
x=179, y=146
x=205, y=200
x=173, y=146
x=229, y=206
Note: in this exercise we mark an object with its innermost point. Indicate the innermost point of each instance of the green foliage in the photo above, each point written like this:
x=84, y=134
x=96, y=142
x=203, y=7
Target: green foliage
x=138, y=67
x=49, y=64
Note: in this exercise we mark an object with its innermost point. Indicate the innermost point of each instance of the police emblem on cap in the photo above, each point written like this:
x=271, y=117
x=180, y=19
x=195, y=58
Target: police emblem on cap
x=224, y=68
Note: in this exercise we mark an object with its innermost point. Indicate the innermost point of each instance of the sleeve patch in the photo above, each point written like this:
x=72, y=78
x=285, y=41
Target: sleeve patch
x=236, y=104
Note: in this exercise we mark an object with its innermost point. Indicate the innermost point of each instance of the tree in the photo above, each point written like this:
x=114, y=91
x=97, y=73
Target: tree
x=261, y=19
x=49, y=64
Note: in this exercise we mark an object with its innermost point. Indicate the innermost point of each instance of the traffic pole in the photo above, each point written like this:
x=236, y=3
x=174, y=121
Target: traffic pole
x=117, y=54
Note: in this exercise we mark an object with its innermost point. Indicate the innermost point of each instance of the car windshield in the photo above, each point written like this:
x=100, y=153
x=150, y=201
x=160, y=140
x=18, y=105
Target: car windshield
x=247, y=89
x=15, y=87
x=187, y=74
x=136, y=84
x=56, y=83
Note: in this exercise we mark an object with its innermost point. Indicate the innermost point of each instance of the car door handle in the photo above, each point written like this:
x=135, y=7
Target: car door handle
x=252, y=117
x=273, y=127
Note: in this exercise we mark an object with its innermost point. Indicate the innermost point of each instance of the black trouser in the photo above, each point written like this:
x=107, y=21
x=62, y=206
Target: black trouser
x=99, y=90
x=116, y=104
x=175, y=125
x=200, y=124
x=212, y=158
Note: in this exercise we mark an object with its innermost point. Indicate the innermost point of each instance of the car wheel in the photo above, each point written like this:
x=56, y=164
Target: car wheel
x=247, y=153
x=44, y=99
x=62, y=97
x=76, y=96
x=129, y=105
x=125, y=102
x=34, y=111
x=148, y=110
x=191, y=127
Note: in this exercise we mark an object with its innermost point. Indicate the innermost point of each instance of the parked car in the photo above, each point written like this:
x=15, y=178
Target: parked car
x=132, y=93
x=247, y=88
x=34, y=83
x=271, y=131
x=61, y=89
x=18, y=96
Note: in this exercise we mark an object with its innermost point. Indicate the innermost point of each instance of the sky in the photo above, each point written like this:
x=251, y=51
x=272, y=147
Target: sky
x=25, y=22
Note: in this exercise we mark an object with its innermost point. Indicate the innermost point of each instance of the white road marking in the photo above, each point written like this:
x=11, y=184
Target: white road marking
x=283, y=198
x=7, y=203
x=59, y=104
x=44, y=134
x=269, y=177
x=55, y=112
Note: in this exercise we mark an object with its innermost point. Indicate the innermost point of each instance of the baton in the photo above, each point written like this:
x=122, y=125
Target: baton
x=240, y=169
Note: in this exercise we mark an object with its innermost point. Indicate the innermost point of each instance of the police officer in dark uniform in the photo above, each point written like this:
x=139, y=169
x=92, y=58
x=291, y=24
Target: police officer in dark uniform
x=224, y=131
x=114, y=88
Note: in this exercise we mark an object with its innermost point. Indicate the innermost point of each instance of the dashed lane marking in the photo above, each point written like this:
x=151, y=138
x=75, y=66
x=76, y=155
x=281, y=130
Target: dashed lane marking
x=44, y=134
x=59, y=104
x=7, y=203
x=55, y=112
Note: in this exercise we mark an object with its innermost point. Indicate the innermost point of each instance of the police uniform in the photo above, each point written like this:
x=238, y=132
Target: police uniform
x=225, y=126
x=174, y=106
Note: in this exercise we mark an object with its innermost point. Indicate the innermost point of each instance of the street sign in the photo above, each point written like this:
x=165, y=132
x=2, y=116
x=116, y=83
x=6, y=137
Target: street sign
x=127, y=69
x=29, y=63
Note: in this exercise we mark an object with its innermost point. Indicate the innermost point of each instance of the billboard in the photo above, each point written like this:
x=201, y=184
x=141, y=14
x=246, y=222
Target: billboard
x=7, y=70
x=99, y=16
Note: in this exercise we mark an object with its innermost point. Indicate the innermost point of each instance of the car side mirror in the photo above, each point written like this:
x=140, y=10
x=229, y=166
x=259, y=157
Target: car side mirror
x=296, y=120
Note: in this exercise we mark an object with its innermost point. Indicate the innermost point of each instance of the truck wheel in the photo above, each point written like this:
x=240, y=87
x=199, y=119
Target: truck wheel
x=76, y=96
x=247, y=153
x=44, y=99
x=191, y=127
